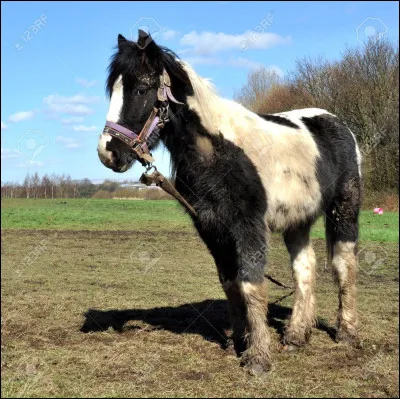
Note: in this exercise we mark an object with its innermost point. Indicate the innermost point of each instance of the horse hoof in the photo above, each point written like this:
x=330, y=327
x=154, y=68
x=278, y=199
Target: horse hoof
x=293, y=341
x=230, y=349
x=255, y=370
x=256, y=365
x=348, y=338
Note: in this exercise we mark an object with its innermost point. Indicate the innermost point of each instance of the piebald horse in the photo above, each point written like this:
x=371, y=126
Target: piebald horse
x=245, y=175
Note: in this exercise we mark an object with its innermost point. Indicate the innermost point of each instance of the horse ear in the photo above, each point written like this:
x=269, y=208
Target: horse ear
x=121, y=40
x=148, y=46
x=145, y=40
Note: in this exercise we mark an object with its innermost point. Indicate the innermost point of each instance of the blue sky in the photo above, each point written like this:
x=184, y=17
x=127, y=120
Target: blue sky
x=55, y=56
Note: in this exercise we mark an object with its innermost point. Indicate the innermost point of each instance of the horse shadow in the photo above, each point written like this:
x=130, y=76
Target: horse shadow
x=208, y=318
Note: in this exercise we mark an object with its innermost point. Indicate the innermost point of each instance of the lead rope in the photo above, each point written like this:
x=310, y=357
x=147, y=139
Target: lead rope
x=279, y=284
x=162, y=182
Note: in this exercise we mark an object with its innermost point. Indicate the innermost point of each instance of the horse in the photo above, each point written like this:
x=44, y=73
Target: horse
x=245, y=175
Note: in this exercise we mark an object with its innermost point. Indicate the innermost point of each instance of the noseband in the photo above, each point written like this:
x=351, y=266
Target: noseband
x=157, y=119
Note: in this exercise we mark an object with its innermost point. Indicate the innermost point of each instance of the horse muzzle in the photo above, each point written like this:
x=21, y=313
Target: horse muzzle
x=113, y=154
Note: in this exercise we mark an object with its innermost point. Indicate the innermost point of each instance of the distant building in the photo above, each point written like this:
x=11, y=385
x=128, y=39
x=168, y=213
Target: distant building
x=138, y=186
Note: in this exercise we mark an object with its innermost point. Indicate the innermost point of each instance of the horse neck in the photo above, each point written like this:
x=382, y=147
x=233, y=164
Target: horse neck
x=180, y=137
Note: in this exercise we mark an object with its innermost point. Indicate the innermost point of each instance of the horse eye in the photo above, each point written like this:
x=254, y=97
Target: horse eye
x=141, y=91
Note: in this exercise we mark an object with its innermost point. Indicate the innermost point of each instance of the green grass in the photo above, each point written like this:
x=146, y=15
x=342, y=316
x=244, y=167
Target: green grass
x=94, y=214
x=381, y=228
x=91, y=214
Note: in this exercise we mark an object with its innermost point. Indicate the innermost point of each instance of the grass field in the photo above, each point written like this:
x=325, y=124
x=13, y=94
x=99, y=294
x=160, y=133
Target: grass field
x=159, y=320
x=99, y=214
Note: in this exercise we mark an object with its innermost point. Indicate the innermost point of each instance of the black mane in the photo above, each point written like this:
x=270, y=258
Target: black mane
x=131, y=60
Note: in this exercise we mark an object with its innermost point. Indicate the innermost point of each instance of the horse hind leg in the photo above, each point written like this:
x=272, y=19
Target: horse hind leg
x=298, y=331
x=342, y=237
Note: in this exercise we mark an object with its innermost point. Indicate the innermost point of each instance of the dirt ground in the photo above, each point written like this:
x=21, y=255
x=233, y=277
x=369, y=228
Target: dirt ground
x=156, y=321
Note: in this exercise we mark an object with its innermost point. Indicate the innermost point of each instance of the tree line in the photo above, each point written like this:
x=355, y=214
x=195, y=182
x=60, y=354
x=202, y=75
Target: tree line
x=48, y=186
x=361, y=88
x=62, y=186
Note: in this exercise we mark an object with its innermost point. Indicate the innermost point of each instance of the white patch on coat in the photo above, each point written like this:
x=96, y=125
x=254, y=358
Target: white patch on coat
x=344, y=263
x=106, y=157
x=303, y=315
x=359, y=157
x=297, y=114
x=249, y=288
x=116, y=102
x=343, y=259
x=304, y=268
x=285, y=157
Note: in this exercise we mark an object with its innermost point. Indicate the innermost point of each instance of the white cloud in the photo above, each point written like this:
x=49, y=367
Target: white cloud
x=204, y=61
x=73, y=105
x=241, y=62
x=71, y=120
x=68, y=142
x=169, y=34
x=8, y=153
x=86, y=83
x=3, y=126
x=29, y=164
x=12, y=156
x=83, y=128
x=20, y=116
x=211, y=42
x=237, y=62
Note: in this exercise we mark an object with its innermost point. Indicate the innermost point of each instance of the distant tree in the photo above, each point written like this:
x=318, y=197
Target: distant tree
x=35, y=183
x=27, y=185
x=46, y=184
x=361, y=88
x=109, y=185
x=259, y=83
x=86, y=188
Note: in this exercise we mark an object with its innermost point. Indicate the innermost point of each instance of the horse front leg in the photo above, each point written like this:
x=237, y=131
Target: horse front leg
x=246, y=289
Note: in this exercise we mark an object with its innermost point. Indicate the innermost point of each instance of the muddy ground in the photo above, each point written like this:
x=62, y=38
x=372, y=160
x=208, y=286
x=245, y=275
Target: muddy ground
x=158, y=321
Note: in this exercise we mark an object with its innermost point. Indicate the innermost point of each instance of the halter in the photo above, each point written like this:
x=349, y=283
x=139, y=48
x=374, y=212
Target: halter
x=137, y=142
x=157, y=119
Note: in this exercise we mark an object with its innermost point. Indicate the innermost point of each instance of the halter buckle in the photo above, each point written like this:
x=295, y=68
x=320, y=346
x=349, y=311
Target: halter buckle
x=148, y=168
x=163, y=114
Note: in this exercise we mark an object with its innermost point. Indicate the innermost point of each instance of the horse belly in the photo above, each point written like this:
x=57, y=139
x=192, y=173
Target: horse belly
x=290, y=212
x=291, y=184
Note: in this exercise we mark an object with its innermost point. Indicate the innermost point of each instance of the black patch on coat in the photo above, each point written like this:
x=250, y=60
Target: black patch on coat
x=280, y=120
x=228, y=195
x=338, y=177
